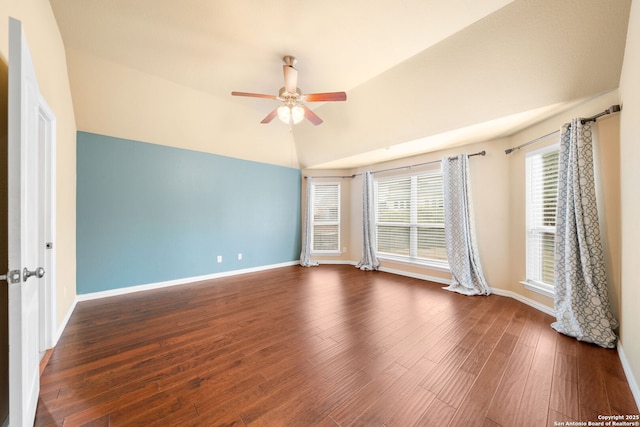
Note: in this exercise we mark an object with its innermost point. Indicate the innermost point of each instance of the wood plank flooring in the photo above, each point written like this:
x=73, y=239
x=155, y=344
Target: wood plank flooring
x=327, y=346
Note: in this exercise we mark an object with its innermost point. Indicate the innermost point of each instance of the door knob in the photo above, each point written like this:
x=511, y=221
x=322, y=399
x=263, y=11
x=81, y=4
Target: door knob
x=38, y=272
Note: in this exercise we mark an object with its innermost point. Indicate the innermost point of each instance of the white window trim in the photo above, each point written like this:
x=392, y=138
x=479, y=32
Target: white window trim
x=530, y=284
x=314, y=223
x=432, y=264
x=539, y=287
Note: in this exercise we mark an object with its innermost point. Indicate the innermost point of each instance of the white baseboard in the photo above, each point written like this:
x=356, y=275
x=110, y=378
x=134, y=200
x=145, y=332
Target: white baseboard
x=183, y=281
x=158, y=285
x=631, y=379
x=448, y=282
x=531, y=303
x=336, y=262
x=392, y=271
x=501, y=292
x=63, y=325
x=440, y=280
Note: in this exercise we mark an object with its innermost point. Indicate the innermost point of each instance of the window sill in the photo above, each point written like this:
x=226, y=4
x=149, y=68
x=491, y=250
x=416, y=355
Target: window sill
x=541, y=288
x=433, y=265
x=328, y=253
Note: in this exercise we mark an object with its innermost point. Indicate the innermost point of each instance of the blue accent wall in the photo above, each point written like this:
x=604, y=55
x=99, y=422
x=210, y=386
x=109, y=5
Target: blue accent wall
x=148, y=213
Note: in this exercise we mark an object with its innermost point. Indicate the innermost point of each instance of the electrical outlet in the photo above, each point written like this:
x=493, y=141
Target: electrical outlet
x=344, y=249
x=219, y=258
x=239, y=256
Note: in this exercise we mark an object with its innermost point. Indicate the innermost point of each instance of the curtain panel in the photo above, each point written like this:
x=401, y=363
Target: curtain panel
x=581, y=293
x=369, y=260
x=305, y=254
x=459, y=228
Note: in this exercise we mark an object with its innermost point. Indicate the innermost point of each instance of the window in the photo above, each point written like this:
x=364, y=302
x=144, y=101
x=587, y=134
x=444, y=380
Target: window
x=325, y=220
x=541, y=196
x=410, y=218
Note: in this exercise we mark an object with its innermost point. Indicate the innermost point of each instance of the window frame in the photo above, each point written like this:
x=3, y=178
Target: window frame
x=315, y=223
x=413, y=224
x=533, y=280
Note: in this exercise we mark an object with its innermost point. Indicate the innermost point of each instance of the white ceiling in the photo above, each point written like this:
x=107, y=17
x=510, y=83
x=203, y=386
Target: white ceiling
x=420, y=75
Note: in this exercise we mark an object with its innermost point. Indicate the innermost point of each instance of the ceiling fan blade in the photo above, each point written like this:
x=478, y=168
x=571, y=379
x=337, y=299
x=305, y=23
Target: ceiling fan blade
x=328, y=96
x=311, y=116
x=270, y=116
x=290, y=78
x=254, y=95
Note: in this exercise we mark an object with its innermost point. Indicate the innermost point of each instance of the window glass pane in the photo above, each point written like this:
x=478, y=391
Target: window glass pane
x=542, y=193
x=325, y=220
x=325, y=238
x=326, y=203
x=410, y=217
x=547, y=248
x=393, y=200
x=431, y=243
x=394, y=240
x=549, y=188
x=543, y=189
x=430, y=199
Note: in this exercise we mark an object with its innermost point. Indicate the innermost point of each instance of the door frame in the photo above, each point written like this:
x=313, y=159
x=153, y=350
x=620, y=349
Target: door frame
x=47, y=189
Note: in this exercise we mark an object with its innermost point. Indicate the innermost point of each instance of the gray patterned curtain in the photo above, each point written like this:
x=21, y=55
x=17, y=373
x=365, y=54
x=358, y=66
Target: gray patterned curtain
x=460, y=235
x=305, y=254
x=369, y=260
x=581, y=294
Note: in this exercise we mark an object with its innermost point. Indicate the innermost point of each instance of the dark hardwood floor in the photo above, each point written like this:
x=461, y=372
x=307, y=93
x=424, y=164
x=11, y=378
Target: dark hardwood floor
x=328, y=346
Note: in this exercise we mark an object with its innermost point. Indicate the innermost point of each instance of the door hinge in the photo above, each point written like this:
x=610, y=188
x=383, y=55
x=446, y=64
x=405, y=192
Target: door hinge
x=11, y=277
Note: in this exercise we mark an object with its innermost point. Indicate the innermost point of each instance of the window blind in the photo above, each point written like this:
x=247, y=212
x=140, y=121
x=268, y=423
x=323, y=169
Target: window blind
x=325, y=220
x=430, y=207
x=542, y=193
x=410, y=217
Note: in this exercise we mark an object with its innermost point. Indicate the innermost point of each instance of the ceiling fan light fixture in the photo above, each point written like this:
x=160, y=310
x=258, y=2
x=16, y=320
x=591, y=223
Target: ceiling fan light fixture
x=289, y=114
x=284, y=113
x=297, y=114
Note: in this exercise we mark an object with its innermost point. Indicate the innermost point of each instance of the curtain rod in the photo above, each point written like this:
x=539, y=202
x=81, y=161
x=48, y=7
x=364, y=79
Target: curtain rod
x=479, y=153
x=610, y=110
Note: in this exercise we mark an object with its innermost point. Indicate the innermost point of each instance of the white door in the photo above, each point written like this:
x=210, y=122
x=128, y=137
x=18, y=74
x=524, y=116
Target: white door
x=24, y=230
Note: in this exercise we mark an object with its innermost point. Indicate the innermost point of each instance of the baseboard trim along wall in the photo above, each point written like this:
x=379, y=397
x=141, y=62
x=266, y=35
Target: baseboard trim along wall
x=394, y=271
x=440, y=280
x=66, y=319
x=183, y=281
x=531, y=303
x=633, y=384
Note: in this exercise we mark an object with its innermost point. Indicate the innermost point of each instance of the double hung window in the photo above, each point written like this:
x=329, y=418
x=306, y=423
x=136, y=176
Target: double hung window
x=410, y=218
x=325, y=218
x=541, y=203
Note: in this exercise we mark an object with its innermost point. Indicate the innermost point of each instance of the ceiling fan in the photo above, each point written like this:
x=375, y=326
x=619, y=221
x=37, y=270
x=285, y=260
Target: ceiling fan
x=292, y=110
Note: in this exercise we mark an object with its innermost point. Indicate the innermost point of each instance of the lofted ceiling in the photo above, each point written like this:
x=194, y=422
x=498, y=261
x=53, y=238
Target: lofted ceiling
x=420, y=75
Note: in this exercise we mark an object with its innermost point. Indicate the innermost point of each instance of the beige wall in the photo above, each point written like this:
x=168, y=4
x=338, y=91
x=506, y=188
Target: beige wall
x=498, y=189
x=630, y=196
x=489, y=187
x=47, y=51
